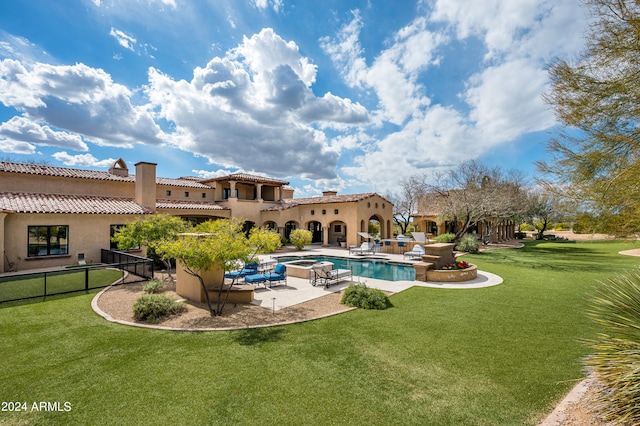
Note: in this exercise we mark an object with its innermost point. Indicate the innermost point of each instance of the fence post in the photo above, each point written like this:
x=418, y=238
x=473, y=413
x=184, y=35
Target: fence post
x=86, y=280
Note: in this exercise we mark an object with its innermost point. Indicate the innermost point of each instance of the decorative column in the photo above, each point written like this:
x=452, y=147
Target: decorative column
x=232, y=188
x=325, y=236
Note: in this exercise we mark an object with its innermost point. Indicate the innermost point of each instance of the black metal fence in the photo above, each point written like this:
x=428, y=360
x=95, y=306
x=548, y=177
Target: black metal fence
x=116, y=268
x=136, y=265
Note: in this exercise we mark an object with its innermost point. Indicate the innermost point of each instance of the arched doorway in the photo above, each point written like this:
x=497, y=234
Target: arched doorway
x=316, y=228
x=288, y=227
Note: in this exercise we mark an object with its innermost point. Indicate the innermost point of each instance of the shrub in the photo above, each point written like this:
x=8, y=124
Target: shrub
x=445, y=238
x=561, y=227
x=468, y=243
x=615, y=307
x=520, y=235
x=152, y=307
x=361, y=296
x=527, y=227
x=300, y=238
x=152, y=286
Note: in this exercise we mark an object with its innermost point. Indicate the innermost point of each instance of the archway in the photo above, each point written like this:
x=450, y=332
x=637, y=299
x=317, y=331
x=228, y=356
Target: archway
x=316, y=228
x=288, y=227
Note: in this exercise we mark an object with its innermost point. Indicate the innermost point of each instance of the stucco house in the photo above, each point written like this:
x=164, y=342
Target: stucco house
x=56, y=216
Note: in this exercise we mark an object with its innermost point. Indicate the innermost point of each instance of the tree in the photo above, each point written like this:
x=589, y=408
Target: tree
x=598, y=159
x=542, y=210
x=220, y=244
x=406, y=202
x=151, y=231
x=473, y=192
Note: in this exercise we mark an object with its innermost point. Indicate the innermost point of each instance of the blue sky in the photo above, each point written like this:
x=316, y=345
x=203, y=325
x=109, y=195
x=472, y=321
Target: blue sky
x=344, y=95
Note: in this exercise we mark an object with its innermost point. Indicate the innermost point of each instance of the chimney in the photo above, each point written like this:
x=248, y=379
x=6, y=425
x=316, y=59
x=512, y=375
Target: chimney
x=146, y=185
x=287, y=193
x=329, y=193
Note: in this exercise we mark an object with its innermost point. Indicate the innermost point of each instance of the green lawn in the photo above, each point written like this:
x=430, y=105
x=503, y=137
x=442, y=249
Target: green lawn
x=12, y=288
x=503, y=355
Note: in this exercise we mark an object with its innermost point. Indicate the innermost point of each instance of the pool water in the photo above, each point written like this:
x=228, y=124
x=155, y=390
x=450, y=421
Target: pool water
x=371, y=268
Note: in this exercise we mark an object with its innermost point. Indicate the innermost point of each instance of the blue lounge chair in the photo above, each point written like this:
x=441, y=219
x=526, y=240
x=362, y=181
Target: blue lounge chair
x=249, y=269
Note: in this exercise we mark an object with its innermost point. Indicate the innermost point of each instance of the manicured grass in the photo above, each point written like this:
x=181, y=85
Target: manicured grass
x=503, y=355
x=12, y=288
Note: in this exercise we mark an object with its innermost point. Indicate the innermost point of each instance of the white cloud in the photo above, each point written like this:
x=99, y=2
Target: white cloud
x=123, y=39
x=254, y=109
x=501, y=100
x=276, y=5
x=82, y=160
x=79, y=100
x=21, y=129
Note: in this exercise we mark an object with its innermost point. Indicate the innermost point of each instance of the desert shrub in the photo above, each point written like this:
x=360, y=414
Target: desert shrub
x=615, y=307
x=561, y=227
x=468, y=243
x=152, y=286
x=445, y=238
x=361, y=296
x=152, y=307
x=526, y=227
x=300, y=238
x=520, y=235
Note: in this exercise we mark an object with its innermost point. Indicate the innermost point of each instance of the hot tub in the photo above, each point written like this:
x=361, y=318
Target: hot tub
x=302, y=268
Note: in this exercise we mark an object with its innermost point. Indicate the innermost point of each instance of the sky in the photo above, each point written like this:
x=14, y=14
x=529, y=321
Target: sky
x=346, y=95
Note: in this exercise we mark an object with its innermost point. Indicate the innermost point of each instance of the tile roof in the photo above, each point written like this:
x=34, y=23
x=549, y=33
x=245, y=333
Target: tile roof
x=245, y=177
x=189, y=205
x=288, y=203
x=17, y=202
x=43, y=170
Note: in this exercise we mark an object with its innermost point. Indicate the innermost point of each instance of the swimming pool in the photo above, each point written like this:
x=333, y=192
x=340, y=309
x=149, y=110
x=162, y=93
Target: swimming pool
x=380, y=269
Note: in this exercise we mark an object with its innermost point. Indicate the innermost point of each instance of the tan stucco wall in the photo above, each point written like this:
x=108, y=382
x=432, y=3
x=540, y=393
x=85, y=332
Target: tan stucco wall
x=87, y=234
x=17, y=182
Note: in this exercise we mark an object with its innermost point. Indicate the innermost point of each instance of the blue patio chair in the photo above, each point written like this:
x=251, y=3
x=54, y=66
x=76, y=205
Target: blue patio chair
x=279, y=275
x=403, y=245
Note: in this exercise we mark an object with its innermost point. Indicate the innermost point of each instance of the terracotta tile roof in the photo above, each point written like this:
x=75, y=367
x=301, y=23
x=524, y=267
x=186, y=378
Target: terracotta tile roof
x=16, y=202
x=186, y=183
x=245, y=177
x=189, y=205
x=42, y=170
x=288, y=203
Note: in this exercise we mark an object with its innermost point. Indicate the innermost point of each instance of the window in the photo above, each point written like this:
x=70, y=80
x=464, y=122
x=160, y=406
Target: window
x=324, y=211
x=313, y=212
x=226, y=193
x=337, y=228
x=335, y=211
x=167, y=193
x=204, y=195
x=186, y=193
x=48, y=240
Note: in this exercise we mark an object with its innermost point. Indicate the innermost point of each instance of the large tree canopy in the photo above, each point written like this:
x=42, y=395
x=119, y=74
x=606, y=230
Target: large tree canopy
x=596, y=161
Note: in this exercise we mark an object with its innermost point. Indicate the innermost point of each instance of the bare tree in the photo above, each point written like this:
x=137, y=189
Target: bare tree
x=406, y=202
x=473, y=192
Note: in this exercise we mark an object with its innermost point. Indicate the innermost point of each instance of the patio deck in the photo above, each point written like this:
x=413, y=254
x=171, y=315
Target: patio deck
x=299, y=290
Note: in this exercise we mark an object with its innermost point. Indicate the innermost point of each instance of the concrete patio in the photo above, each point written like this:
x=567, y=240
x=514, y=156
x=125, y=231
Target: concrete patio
x=300, y=290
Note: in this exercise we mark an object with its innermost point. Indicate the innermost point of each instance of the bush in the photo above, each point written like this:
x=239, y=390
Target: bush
x=561, y=227
x=520, y=235
x=468, y=243
x=361, y=296
x=527, y=227
x=152, y=286
x=152, y=307
x=445, y=238
x=300, y=238
x=616, y=309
